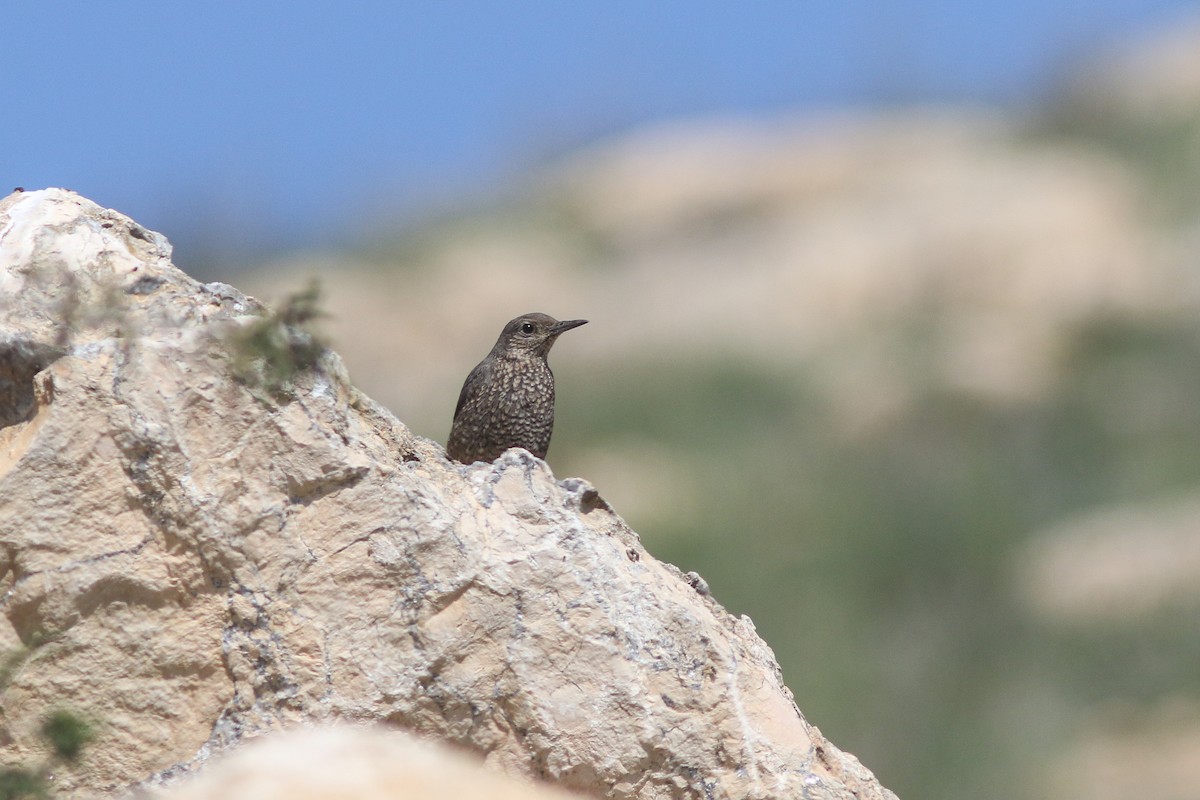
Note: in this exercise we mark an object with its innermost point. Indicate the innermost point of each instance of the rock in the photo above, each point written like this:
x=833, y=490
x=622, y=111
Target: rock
x=190, y=559
x=345, y=762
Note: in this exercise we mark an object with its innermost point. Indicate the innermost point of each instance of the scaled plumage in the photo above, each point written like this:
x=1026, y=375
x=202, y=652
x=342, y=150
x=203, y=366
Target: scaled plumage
x=508, y=399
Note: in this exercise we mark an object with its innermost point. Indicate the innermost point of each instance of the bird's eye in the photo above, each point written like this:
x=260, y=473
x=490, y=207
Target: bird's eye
x=527, y=327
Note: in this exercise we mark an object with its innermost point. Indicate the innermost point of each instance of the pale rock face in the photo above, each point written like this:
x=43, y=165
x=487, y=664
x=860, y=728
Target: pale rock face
x=191, y=562
x=355, y=764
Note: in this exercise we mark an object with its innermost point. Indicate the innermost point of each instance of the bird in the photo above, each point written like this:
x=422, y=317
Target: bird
x=508, y=399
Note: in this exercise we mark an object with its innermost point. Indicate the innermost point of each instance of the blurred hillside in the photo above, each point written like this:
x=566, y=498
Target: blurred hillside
x=916, y=390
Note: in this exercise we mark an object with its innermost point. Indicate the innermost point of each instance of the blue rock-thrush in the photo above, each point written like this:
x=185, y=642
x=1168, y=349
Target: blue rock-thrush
x=508, y=399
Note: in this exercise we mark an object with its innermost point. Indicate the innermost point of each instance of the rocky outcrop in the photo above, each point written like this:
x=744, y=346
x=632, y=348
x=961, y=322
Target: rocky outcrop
x=191, y=556
x=358, y=763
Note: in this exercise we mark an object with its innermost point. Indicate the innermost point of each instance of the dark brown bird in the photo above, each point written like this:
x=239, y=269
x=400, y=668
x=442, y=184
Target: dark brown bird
x=508, y=399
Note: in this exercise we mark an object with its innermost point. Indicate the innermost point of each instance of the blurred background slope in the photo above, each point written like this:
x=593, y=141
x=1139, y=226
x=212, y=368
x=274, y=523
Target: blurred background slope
x=917, y=390
x=914, y=385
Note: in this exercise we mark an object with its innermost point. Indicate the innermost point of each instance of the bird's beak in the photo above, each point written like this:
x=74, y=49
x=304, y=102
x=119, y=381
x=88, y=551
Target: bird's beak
x=566, y=325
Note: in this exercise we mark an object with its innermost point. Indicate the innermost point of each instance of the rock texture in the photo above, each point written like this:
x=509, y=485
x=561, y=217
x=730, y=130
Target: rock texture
x=345, y=762
x=189, y=560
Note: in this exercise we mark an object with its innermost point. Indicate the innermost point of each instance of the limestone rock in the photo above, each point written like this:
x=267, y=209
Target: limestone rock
x=189, y=560
x=345, y=762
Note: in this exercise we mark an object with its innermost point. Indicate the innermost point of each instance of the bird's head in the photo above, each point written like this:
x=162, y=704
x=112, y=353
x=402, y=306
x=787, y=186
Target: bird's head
x=532, y=334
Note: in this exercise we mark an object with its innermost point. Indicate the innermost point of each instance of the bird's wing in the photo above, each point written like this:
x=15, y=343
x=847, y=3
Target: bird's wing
x=472, y=384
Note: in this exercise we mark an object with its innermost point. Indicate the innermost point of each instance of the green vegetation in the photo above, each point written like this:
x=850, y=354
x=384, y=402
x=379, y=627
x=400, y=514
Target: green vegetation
x=880, y=567
x=67, y=733
x=10, y=662
x=1160, y=148
x=64, y=732
x=883, y=563
x=18, y=782
x=270, y=352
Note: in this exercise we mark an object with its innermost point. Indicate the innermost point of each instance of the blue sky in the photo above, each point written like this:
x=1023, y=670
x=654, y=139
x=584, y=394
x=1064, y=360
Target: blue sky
x=281, y=123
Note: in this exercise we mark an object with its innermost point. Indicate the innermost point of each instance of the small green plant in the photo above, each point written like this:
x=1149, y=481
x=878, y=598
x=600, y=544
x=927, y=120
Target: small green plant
x=67, y=733
x=17, y=783
x=64, y=731
x=271, y=351
x=10, y=662
x=79, y=308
